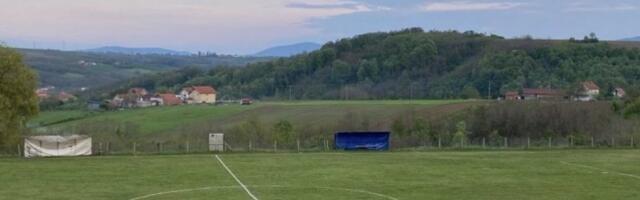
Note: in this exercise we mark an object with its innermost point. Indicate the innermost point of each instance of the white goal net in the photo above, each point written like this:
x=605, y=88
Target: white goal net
x=57, y=145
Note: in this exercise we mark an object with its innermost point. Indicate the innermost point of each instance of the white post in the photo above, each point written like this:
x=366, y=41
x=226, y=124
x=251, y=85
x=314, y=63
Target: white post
x=250, y=146
x=613, y=142
x=188, y=147
x=326, y=142
x=439, y=143
x=275, y=146
x=483, y=142
x=570, y=141
x=298, y=143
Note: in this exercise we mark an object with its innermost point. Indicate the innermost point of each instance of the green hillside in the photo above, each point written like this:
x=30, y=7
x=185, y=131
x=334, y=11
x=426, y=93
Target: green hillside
x=312, y=117
x=413, y=63
x=71, y=70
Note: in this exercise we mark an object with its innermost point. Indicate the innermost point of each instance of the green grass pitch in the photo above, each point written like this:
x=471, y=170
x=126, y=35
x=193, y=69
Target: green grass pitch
x=559, y=174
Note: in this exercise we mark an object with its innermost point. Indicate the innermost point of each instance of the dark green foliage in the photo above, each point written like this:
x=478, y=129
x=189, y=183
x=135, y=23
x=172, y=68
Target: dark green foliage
x=547, y=119
x=632, y=109
x=416, y=64
x=18, y=101
x=284, y=132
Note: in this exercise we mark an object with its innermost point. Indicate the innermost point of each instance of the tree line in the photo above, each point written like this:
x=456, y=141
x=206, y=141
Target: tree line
x=415, y=64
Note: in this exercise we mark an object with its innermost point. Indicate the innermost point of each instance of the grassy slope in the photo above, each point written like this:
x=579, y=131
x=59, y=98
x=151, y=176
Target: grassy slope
x=403, y=175
x=169, y=119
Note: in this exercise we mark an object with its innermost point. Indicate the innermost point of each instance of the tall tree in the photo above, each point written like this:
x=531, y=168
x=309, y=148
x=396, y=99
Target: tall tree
x=18, y=101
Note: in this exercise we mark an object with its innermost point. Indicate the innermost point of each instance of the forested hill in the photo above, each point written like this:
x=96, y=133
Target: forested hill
x=415, y=64
x=71, y=70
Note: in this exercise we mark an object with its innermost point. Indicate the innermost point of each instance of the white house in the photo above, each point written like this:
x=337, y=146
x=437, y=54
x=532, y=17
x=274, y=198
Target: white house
x=588, y=92
x=198, y=94
x=619, y=92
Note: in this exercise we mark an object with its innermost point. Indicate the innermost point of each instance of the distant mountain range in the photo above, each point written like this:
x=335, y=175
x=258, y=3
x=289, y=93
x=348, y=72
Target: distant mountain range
x=134, y=51
x=288, y=50
x=632, y=39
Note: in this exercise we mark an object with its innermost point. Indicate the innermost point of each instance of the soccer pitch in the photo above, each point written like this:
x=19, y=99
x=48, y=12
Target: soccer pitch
x=558, y=174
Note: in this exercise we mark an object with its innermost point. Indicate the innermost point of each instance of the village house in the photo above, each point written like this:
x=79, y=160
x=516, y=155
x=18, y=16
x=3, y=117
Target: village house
x=542, y=93
x=588, y=91
x=144, y=101
x=135, y=97
x=619, y=92
x=48, y=93
x=511, y=95
x=42, y=94
x=166, y=99
x=198, y=94
x=138, y=91
x=65, y=97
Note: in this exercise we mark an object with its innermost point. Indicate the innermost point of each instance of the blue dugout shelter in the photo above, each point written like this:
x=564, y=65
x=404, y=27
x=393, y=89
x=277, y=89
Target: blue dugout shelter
x=362, y=140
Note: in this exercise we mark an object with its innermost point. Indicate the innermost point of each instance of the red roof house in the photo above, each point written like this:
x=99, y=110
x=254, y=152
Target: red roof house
x=542, y=93
x=169, y=99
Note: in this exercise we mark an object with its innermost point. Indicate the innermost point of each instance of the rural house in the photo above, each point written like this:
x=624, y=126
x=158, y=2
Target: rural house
x=588, y=91
x=135, y=97
x=65, y=97
x=511, y=95
x=542, y=93
x=198, y=94
x=619, y=92
x=168, y=99
x=138, y=91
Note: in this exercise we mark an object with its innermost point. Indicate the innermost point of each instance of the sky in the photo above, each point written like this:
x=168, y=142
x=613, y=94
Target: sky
x=242, y=27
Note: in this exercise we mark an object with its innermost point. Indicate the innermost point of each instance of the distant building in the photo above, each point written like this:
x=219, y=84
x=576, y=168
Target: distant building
x=135, y=97
x=198, y=94
x=511, y=95
x=168, y=99
x=619, y=92
x=246, y=101
x=138, y=91
x=93, y=105
x=542, y=93
x=42, y=94
x=65, y=97
x=144, y=101
x=588, y=91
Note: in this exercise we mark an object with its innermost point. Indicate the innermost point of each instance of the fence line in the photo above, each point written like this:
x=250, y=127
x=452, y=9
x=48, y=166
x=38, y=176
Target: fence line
x=112, y=147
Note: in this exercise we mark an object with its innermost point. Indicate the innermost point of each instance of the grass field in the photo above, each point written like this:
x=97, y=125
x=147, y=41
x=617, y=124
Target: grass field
x=561, y=174
x=158, y=120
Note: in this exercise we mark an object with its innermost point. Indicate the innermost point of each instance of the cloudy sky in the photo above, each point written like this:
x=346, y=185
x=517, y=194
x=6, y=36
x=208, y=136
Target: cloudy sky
x=247, y=26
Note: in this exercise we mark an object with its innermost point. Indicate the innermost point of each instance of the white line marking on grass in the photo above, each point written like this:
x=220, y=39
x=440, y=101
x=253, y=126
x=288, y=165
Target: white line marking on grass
x=237, y=180
x=601, y=170
x=266, y=186
x=331, y=188
x=183, y=190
